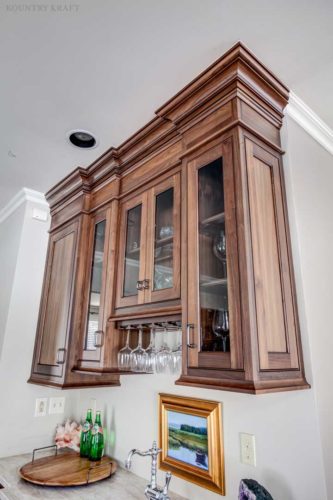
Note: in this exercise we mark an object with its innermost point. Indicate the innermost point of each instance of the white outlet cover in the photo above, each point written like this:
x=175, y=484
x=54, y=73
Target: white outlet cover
x=248, y=449
x=57, y=405
x=41, y=407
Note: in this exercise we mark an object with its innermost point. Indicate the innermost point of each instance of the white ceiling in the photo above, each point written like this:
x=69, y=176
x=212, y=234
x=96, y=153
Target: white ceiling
x=106, y=65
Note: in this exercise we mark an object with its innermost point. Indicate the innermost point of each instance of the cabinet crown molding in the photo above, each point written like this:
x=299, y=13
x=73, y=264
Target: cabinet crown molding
x=236, y=74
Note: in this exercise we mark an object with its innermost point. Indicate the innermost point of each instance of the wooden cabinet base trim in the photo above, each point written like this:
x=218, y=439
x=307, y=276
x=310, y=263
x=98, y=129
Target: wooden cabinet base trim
x=114, y=381
x=243, y=386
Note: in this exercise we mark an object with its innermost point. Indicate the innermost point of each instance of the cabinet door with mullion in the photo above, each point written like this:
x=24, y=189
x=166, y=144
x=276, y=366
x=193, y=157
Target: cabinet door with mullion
x=94, y=317
x=163, y=241
x=132, y=251
x=215, y=339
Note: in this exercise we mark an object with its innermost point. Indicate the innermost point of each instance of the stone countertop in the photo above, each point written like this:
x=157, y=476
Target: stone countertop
x=122, y=485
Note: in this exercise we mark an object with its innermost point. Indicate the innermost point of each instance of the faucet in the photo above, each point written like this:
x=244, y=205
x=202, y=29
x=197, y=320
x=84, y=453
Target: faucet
x=152, y=491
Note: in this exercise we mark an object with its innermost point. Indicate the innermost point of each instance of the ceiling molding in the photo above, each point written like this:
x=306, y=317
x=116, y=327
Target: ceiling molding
x=21, y=197
x=310, y=122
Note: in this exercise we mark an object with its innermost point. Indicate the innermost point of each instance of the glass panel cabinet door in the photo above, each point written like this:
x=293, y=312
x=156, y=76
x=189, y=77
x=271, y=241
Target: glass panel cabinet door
x=132, y=248
x=94, y=321
x=132, y=252
x=213, y=279
x=163, y=262
x=212, y=246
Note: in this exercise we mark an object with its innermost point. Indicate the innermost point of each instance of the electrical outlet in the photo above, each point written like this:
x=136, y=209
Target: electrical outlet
x=248, y=449
x=41, y=407
x=57, y=405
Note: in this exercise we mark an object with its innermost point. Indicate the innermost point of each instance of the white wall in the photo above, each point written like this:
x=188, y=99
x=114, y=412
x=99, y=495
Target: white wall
x=20, y=431
x=310, y=192
x=286, y=426
x=10, y=234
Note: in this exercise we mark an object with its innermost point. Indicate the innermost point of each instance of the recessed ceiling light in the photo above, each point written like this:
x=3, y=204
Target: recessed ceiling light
x=82, y=139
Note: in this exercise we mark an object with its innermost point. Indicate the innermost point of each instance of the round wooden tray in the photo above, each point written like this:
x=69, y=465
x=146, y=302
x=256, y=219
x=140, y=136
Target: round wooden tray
x=67, y=469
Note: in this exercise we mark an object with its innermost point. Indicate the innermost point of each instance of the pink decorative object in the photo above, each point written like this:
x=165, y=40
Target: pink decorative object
x=68, y=435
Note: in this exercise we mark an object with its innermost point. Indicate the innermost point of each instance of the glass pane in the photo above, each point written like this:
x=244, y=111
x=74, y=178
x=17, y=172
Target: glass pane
x=95, y=285
x=163, y=250
x=132, y=251
x=214, y=312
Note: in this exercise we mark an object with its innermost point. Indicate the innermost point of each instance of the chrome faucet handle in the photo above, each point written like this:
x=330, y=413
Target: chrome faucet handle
x=168, y=476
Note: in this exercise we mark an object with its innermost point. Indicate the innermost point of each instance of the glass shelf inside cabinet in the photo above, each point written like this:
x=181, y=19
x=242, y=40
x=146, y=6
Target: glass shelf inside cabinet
x=163, y=246
x=95, y=285
x=213, y=279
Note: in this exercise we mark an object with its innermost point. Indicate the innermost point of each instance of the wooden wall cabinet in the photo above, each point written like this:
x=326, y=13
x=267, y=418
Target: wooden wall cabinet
x=187, y=219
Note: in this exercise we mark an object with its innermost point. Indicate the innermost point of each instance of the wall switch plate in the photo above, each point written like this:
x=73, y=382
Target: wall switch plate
x=41, y=407
x=248, y=449
x=57, y=405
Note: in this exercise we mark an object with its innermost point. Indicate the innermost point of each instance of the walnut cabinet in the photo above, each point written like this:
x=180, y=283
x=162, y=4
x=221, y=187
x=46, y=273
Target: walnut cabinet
x=186, y=220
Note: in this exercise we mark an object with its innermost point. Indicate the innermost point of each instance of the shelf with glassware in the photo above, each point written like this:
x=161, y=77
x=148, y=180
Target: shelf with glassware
x=160, y=352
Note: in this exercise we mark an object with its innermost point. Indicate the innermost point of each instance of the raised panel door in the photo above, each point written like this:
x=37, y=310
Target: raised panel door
x=275, y=308
x=55, y=316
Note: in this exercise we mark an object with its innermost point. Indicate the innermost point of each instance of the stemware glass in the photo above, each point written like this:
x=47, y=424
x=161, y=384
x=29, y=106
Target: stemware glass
x=163, y=355
x=176, y=355
x=151, y=352
x=221, y=326
x=124, y=355
x=138, y=356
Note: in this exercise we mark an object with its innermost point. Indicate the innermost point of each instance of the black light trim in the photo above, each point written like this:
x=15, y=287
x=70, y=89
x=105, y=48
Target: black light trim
x=82, y=139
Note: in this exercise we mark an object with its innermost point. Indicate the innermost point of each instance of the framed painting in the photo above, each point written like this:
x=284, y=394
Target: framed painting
x=191, y=440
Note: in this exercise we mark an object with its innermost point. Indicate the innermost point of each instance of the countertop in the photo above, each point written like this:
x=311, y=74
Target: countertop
x=123, y=485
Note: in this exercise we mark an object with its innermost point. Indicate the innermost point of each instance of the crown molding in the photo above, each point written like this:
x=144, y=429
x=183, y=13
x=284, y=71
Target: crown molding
x=21, y=197
x=310, y=122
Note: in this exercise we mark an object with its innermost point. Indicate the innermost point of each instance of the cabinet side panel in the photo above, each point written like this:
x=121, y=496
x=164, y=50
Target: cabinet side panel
x=58, y=299
x=271, y=325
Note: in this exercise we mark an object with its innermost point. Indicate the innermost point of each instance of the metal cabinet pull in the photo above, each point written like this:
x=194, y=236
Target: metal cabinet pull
x=61, y=356
x=145, y=284
x=99, y=338
x=139, y=285
x=188, y=343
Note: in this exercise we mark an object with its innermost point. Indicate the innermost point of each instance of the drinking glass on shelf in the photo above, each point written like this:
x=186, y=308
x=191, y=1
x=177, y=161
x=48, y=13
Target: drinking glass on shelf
x=221, y=326
x=139, y=356
x=163, y=355
x=124, y=355
x=151, y=352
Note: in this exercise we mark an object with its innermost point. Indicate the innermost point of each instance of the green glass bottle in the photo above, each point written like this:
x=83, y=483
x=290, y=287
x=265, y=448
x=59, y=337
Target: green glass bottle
x=85, y=441
x=97, y=439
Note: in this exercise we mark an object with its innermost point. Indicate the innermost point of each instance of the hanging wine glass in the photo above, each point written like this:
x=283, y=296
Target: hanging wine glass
x=176, y=355
x=151, y=352
x=138, y=355
x=225, y=331
x=124, y=355
x=163, y=356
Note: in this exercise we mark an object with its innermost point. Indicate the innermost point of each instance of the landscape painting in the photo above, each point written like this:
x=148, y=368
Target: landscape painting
x=188, y=439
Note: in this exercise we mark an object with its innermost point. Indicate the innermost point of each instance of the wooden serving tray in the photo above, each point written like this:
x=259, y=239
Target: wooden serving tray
x=67, y=469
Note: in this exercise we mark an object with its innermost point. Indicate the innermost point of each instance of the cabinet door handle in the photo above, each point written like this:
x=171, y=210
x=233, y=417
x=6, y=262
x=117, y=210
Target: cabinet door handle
x=99, y=338
x=189, y=344
x=145, y=284
x=61, y=356
x=139, y=285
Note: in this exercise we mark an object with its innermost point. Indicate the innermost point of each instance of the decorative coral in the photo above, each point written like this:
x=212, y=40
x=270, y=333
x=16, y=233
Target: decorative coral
x=68, y=435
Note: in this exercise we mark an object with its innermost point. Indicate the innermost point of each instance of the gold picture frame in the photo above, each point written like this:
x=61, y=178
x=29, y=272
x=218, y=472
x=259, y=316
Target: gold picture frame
x=190, y=436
